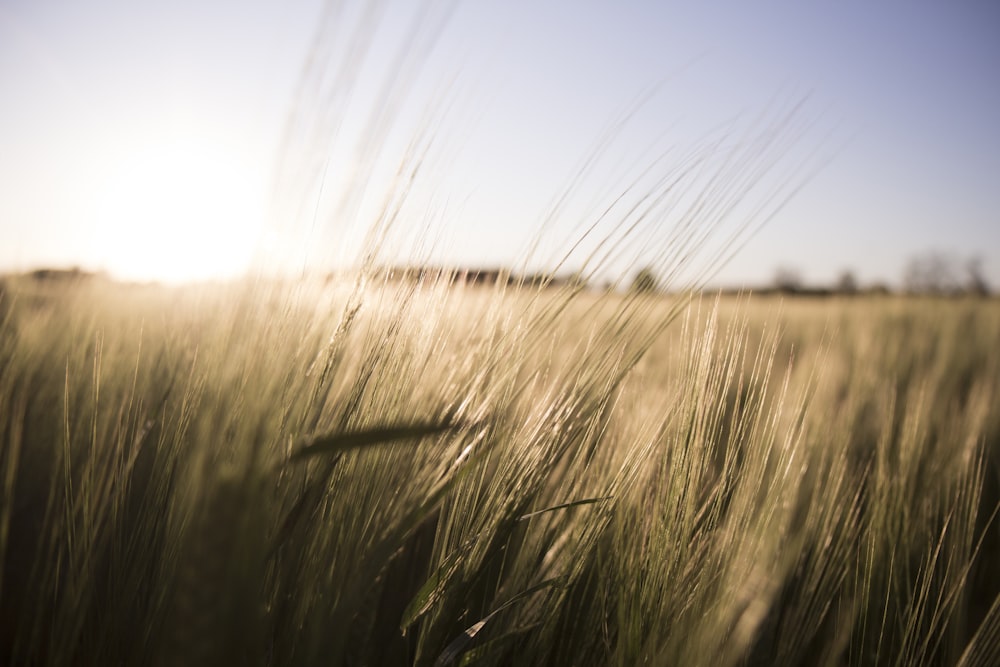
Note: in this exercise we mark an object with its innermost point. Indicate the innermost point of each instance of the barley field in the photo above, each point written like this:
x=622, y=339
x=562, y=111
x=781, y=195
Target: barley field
x=376, y=473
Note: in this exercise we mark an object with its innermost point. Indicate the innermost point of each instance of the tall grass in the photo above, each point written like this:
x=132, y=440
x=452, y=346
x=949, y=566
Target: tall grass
x=765, y=485
x=368, y=471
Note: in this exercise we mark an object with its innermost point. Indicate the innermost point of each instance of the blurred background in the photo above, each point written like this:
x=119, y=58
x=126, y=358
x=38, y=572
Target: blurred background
x=166, y=141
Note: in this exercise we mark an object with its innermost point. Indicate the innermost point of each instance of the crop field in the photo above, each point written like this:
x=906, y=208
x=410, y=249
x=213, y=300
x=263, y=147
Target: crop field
x=418, y=473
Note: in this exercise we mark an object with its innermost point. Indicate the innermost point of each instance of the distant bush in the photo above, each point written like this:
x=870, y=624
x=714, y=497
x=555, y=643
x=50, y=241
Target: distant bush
x=645, y=281
x=787, y=280
x=846, y=283
x=941, y=274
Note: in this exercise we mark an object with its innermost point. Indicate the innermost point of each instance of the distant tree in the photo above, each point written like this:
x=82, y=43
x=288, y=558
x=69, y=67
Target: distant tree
x=932, y=272
x=977, y=284
x=878, y=289
x=645, y=281
x=787, y=280
x=847, y=283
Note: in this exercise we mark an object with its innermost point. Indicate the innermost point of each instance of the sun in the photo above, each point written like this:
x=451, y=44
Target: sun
x=177, y=208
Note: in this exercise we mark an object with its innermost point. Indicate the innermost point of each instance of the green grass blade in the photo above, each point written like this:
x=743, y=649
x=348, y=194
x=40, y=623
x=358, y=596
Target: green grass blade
x=457, y=646
x=341, y=442
x=491, y=647
x=563, y=506
x=306, y=504
x=433, y=589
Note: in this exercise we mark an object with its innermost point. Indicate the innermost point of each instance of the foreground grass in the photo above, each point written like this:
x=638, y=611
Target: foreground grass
x=430, y=475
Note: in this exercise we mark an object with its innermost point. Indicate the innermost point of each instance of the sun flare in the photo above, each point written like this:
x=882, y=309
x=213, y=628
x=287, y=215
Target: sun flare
x=178, y=209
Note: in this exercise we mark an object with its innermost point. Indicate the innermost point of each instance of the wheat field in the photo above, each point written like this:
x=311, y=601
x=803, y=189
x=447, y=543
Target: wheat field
x=420, y=473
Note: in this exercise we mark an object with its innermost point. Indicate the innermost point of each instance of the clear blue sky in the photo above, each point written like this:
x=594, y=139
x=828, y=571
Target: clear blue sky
x=118, y=119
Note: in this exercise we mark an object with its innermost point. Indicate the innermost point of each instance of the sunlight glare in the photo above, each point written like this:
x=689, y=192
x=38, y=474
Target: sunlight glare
x=178, y=209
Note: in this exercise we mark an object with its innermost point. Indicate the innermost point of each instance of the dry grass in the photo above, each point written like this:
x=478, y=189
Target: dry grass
x=474, y=475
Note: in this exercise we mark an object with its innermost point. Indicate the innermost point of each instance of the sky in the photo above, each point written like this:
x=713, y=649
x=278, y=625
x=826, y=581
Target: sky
x=180, y=140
